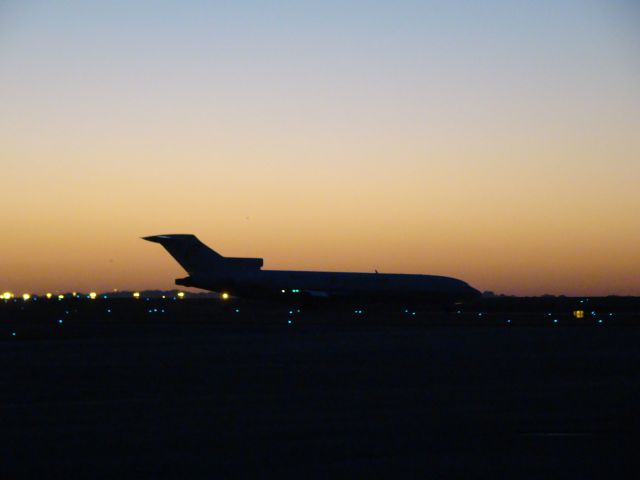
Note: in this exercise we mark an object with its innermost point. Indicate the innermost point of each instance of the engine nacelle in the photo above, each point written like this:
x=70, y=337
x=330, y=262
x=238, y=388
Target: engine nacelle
x=244, y=263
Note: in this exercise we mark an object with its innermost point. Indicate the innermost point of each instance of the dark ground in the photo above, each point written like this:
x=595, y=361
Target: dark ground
x=175, y=397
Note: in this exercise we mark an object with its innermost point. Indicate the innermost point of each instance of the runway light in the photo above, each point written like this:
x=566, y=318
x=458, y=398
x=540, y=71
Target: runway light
x=26, y=296
x=283, y=290
x=290, y=322
x=93, y=295
x=599, y=320
x=295, y=290
x=60, y=322
x=509, y=321
x=49, y=295
x=225, y=296
x=237, y=310
x=13, y=334
x=555, y=320
x=180, y=295
x=136, y=294
x=7, y=295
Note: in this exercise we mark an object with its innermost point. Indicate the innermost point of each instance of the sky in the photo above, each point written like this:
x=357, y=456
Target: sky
x=497, y=142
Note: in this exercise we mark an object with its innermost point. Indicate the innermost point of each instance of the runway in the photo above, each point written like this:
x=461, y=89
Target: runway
x=209, y=401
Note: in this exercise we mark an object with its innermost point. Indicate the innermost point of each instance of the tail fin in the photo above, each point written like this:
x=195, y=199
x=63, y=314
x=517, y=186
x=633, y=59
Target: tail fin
x=189, y=252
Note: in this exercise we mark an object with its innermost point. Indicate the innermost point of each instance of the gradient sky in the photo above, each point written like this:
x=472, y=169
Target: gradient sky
x=496, y=141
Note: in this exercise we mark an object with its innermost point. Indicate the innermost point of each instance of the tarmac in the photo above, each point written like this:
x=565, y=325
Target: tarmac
x=185, y=396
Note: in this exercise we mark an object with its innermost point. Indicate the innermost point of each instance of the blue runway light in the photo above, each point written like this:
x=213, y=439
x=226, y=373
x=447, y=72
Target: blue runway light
x=60, y=322
x=290, y=322
x=13, y=334
x=509, y=321
x=555, y=320
x=290, y=312
x=237, y=310
x=108, y=310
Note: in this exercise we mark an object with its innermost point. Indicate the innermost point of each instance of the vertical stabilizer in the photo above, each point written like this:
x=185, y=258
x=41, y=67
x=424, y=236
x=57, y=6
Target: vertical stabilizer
x=193, y=255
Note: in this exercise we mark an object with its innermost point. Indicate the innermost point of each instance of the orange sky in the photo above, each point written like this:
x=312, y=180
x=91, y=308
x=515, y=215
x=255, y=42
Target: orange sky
x=323, y=139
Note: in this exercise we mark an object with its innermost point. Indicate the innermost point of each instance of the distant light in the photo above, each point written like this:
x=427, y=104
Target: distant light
x=13, y=334
x=49, y=295
x=283, y=290
x=26, y=296
x=108, y=310
x=164, y=296
x=93, y=295
x=555, y=320
x=593, y=313
x=578, y=313
x=105, y=297
x=75, y=293
x=611, y=314
x=225, y=296
x=509, y=321
x=290, y=312
x=480, y=314
x=61, y=297
x=7, y=295
x=599, y=320
x=180, y=294
x=237, y=310
x=136, y=294
x=289, y=322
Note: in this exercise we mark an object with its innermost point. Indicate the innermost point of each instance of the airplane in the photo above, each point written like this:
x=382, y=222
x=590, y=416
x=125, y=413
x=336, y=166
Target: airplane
x=244, y=277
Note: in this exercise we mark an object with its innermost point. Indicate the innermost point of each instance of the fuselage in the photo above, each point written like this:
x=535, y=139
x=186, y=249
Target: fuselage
x=274, y=283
